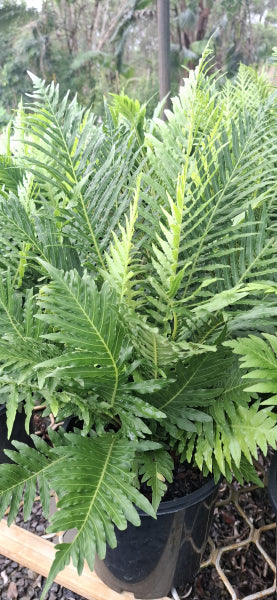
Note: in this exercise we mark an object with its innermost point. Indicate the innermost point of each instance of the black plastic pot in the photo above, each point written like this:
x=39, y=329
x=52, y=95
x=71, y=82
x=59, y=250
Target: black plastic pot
x=272, y=482
x=161, y=553
x=18, y=433
x=272, y=488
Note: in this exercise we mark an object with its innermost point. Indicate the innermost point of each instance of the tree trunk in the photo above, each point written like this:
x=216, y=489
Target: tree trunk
x=164, y=50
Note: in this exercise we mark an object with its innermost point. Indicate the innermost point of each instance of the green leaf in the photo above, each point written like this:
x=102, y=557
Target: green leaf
x=12, y=408
x=97, y=493
x=86, y=321
x=156, y=467
x=259, y=357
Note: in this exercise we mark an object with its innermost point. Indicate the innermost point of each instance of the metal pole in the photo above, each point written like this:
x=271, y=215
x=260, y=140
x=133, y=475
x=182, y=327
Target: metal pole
x=164, y=49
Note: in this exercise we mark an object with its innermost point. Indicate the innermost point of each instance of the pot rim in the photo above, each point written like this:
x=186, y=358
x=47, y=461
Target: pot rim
x=172, y=506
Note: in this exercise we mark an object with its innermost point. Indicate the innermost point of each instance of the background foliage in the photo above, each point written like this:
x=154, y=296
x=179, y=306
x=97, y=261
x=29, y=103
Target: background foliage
x=101, y=46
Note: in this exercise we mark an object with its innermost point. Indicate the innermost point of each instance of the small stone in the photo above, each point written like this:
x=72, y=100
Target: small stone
x=40, y=528
x=17, y=574
x=12, y=592
x=31, y=574
x=38, y=581
x=4, y=577
x=54, y=587
x=30, y=592
x=20, y=581
x=52, y=596
x=69, y=595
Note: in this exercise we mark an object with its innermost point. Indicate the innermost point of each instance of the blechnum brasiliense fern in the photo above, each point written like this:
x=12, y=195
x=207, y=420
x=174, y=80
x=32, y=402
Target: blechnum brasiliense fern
x=131, y=251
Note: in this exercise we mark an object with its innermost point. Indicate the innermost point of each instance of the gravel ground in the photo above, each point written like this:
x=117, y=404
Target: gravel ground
x=245, y=568
x=19, y=583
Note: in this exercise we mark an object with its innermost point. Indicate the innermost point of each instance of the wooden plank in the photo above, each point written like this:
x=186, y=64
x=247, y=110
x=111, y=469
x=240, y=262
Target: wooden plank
x=37, y=554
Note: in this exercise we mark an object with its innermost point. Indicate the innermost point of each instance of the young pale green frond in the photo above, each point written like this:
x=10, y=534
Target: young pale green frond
x=195, y=112
x=166, y=251
x=131, y=111
x=28, y=193
x=94, y=482
x=120, y=260
x=259, y=357
x=86, y=324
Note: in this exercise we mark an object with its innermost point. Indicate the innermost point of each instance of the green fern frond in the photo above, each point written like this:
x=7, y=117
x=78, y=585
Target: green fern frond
x=166, y=254
x=120, y=260
x=29, y=466
x=259, y=357
x=101, y=488
x=11, y=175
x=197, y=385
x=131, y=111
x=80, y=168
x=156, y=468
x=86, y=323
x=247, y=91
x=237, y=427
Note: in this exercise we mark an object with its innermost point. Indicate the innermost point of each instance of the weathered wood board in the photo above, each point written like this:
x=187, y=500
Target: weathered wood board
x=37, y=554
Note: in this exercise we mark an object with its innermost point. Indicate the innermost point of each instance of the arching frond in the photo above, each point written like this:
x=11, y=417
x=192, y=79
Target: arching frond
x=100, y=490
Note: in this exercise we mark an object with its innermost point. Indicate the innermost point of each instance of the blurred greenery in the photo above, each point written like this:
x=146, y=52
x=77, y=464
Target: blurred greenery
x=95, y=47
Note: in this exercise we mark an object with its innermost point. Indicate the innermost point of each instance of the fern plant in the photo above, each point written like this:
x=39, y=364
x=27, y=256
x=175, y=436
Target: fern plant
x=131, y=252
